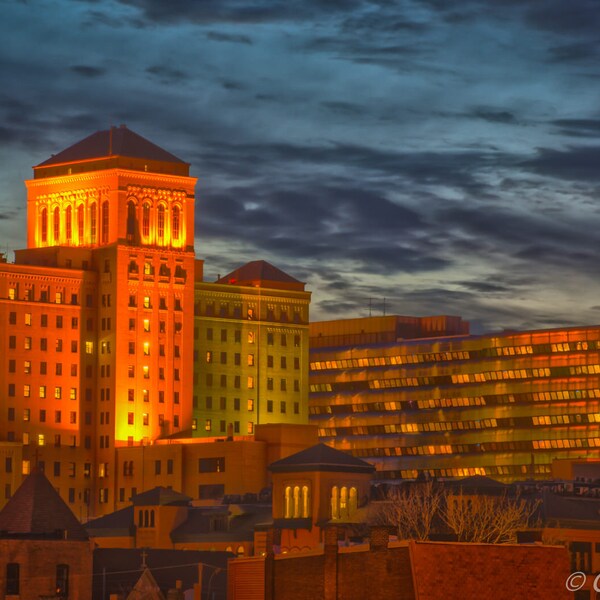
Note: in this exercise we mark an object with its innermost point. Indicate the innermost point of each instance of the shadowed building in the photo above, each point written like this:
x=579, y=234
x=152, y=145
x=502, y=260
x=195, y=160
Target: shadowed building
x=44, y=550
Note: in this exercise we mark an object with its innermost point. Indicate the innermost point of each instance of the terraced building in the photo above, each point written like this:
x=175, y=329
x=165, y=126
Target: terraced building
x=423, y=397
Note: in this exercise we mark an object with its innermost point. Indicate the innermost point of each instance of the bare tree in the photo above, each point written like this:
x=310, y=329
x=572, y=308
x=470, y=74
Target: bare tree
x=411, y=510
x=487, y=519
x=425, y=508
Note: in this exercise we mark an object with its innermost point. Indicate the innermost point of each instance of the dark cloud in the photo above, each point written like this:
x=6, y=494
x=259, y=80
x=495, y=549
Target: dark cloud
x=494, y=116
x=217, y=36
x=166, y=73
x=576, y=163
x=578, y=127
x=87, y=70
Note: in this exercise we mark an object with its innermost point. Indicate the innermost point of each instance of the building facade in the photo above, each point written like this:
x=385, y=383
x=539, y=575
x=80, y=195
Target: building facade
x=251, y=351
x=100, y=315
x=422, y=397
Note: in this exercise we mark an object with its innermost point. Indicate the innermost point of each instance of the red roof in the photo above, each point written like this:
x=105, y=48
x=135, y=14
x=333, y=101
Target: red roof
x=36, y=509
x=116, y=141
x=259, y=272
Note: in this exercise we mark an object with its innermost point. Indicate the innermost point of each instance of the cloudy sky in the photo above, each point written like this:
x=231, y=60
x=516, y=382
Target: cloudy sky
x=442, y=155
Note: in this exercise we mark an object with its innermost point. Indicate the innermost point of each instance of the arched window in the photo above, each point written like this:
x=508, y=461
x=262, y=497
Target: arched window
x=176, y=226
x=335, y=503
x=131, y=221
x=240, y=551
x=151, y=518
x=344, y=503
x=131, y=467
x=93, y=223
x=56, y=223
x=161, y=222
x=80, y=223
x=146, y=219
x=296, y=501
x=69, y=223
x=305, y=502
x=288, y=511
x=146, y=518
x=44, y=225
x=105, y=222
x=141, y=518
x=353, y=501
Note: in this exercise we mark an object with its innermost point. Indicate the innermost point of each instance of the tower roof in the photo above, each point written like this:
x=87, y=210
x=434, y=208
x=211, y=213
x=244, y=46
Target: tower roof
x=36, y=510
x=321, y=458
x=116, y=141
x=110, y=148
x=260, y=273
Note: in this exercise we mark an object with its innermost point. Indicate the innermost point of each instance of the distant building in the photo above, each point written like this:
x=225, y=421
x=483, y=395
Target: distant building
x=420, y=397
x=251, y=351
x=44, y=551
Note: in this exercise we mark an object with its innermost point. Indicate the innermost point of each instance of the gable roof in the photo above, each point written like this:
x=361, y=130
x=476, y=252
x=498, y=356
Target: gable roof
x=321, y=458
x=161, y=496
x=146, y=588
x=259, y=272
x=118, y=523
x=116, y=141
x=36, y=510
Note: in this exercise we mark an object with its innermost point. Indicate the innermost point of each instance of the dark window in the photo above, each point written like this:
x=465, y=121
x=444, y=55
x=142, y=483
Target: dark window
x=12, y=579
x=211, y=492
x=62, y=580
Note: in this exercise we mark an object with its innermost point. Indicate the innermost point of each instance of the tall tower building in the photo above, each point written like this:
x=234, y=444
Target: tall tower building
x=97, y=318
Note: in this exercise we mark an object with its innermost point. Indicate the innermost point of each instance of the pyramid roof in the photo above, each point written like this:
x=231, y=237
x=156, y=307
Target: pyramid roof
x=37, y=510
x=262, y=274
x=321, y=458
x=116, y=141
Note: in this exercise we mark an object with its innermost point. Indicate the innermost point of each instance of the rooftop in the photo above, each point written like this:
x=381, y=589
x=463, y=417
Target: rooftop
x=36, y=510
x=260, y=273
x=321, y=458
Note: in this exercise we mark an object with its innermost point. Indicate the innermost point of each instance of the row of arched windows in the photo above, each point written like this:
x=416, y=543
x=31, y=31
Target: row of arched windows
x=344, y=502
x=76, y=227
x=146, y=518
x=297, y=502
x=157, y=226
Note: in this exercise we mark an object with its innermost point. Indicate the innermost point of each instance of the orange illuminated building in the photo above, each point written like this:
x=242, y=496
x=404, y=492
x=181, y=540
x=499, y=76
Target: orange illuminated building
x=97, y=318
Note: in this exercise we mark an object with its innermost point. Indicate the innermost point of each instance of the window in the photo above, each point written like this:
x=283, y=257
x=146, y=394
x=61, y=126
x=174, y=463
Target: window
x=27, y=343
x=28, y=319
x=283, y=362
x=27, y=367
x=282, y=407
x=157, y=467
x=208, y=425
x=175, y=222
x=270, y=339
x=211, y=465
x=250, y=405
x=146, y=219
x=147, y=303
x=146, y=419
x=26, y=390
x=62, y=579
x=270, y=406
x=250, y=360
x=69, y=223
x=56, y=224
x=42, y=416
x=130, y=418
x=250, y=382
x=105, y=222
x=236, y=404
x=270, y=361
x=270, y=383
x=211, y=492
x=169, y=466
x=26, y=414
x=12, y=579
x=44, y=220
x=250, y=427
x=57, y=416
x=161, y=222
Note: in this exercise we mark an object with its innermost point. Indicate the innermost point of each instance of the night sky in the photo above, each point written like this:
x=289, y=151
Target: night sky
x=442, y=155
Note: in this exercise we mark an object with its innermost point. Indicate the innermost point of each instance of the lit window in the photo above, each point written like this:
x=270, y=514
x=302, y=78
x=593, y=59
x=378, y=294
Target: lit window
x=250, y=360
x=146, y=419
x=146, y=325
x=27, y=367
x=147, y=303
x=176, y=219
x=58, y=297
x=161, y=222
x=27, y=343
x=93, y=222
x=146, y=370
x=44, y=225
x=42, y=391
x=146, y=348
x=146, y=220
x=12, y=293
x=26, y=390
x=250, y=382
x=208, y=425
x=89, y=347
x=250, y=404
x=73, y=394
x=58, y=393
x=27, y=318
x=41, y=439
x=56, y=223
